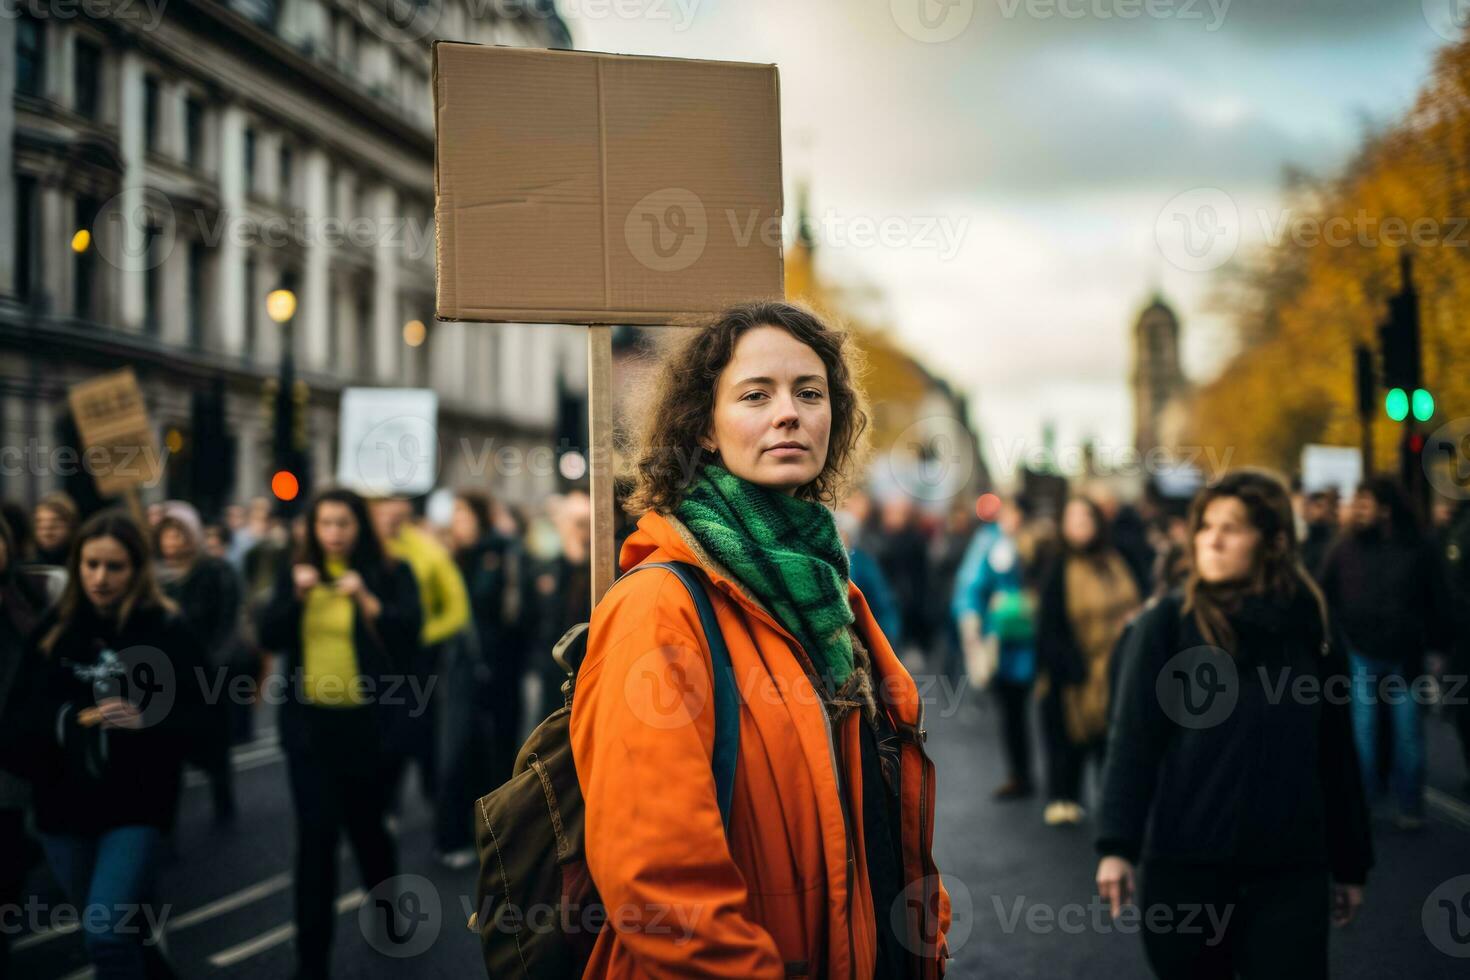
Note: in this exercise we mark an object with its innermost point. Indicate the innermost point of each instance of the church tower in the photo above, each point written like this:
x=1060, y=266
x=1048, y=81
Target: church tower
x=1158, y=379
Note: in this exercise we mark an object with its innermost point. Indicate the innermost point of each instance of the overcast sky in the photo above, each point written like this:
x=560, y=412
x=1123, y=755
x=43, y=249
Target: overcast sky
x=1032, y=154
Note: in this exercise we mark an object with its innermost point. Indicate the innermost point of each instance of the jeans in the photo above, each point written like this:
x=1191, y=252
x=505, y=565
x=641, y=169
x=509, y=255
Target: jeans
x=464, y=752
x=1015, y=727
x=1375, y=680
x=111, y=872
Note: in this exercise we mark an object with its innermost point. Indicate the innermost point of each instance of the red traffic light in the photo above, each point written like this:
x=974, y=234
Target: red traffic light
x=1416, y=443
x=285, y=485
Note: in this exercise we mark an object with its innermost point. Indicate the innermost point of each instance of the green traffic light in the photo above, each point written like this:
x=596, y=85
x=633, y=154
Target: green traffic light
x=1397, y=404
x=1423, y=405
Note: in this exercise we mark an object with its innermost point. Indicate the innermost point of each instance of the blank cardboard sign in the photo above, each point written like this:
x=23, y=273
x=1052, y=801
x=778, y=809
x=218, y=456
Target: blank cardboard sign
x=575, y=187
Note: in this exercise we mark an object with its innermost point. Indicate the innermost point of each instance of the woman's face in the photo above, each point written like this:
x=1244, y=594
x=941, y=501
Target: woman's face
x=174, y=545
x=1078, y=527
x=106, y=572
x=464, y=526
x=1225, y=544
x=773, y=411
x=51, y=528
x=335, y=528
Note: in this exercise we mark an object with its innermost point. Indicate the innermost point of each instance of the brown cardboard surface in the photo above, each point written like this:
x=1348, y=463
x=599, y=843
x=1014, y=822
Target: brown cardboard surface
x=576, y=187
x=112, y=419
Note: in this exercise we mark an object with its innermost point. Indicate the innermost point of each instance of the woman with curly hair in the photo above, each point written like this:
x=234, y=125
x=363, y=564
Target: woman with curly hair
x=824, y=867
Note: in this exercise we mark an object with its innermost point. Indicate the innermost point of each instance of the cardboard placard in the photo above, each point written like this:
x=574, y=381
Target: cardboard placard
x=577, y=187
x=117, y=436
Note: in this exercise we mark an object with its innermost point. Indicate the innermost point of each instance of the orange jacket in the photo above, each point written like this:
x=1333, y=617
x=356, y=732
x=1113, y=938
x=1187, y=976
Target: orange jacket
x=786, y=895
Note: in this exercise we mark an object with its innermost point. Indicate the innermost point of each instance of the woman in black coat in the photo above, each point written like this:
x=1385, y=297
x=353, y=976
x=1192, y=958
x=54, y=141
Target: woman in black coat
x=1231, y=771
x=346, y=618
x=99, y=722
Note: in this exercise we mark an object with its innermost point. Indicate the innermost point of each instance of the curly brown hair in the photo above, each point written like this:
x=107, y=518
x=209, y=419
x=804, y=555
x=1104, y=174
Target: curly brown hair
x=682, y=402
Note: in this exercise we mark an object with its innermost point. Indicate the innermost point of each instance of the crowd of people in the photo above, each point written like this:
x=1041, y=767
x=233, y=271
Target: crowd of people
x=1057, y=610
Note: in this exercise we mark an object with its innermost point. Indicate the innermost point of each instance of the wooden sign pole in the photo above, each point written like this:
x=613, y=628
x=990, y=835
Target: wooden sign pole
x=600, y=456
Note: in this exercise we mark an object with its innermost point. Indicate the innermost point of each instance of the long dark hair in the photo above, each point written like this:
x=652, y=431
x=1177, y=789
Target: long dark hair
x=1403, y=522
x=143, y=593
x=1276, y=568
x=682, y=402
x=367, y=556
x=18, y=599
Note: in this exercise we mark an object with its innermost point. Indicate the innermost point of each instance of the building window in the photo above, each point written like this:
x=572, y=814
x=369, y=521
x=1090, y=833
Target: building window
x=195, y=300
x=87, y=70
x=193, y=131
x=25, y=236
x=250, y=161
x=365, y=367
x=84, y=267
x=286, y=175
x=334, y=321
x=150, y=114
x=152, y=280
x=30, y=56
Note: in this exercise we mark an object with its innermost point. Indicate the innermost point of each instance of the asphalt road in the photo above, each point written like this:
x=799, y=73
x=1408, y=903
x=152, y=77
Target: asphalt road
x=1024, y=900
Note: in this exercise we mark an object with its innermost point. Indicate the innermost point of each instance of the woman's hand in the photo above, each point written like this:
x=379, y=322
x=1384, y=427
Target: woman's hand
x=351, y=585
x=118, y=713
x=305, y=578
x=1115, y=883
x=1345, y=902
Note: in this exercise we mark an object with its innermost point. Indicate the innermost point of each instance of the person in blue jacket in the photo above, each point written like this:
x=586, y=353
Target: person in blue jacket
x=866, y=574
x=995, y=609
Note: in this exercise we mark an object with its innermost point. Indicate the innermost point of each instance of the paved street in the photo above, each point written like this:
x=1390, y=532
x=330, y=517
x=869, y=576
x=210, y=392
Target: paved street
x=230, y=899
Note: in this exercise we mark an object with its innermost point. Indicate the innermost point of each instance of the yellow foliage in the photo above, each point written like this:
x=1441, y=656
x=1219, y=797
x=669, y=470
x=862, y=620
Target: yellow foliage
x=1325, y=287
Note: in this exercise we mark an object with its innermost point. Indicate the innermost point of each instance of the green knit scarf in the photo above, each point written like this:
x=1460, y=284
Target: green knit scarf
x=786, y=551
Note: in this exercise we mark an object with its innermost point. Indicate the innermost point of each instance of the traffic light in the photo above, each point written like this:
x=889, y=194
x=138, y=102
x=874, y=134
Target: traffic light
x=1396, y=404
x=1399, y=335
x=1423, y=405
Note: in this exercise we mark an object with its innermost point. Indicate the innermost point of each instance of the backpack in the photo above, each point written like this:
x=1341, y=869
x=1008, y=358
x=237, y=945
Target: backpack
x=537, y=910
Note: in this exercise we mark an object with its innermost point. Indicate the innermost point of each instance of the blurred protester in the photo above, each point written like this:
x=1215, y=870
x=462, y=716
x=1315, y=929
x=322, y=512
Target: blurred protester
x=20, y=608
x=54, y=522
x=1453, y=545
x=1255, y=814
x=347, y=619
x=996, y=615
x=1319, y=515
x=260, y=567
x=560, y=592
x=868, y=577
x=902, y=552
x=446, y=613
x=19, y=519
x=1380, y=584
x=473, y=746
x=241, y=531
x=207, y=592
x=946, y=554
x=100, y=724
x=217, y=538
x=1086, y=598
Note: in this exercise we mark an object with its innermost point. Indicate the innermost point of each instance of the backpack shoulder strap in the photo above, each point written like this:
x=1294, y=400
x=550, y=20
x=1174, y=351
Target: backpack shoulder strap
x=726, y=693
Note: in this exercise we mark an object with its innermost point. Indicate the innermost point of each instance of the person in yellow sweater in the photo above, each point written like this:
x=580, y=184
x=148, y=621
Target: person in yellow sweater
x=446, y=605
x=346, y=618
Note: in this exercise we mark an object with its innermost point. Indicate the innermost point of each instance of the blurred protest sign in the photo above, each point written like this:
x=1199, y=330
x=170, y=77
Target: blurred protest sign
x=601, y=189
x=1331, y=467
x=117, y=436
x=388, y=441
